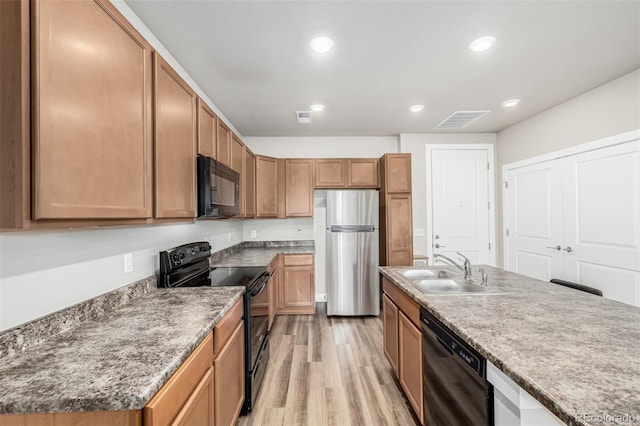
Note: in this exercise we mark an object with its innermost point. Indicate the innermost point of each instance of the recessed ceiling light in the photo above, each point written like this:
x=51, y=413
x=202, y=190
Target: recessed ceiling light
x=321, y=44
x=316, y=107
x=416, y=108
x=511, y=103
x=481, y=44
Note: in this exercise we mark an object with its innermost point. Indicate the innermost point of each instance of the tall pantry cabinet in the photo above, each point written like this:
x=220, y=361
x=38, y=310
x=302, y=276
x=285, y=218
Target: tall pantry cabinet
x=396, y=223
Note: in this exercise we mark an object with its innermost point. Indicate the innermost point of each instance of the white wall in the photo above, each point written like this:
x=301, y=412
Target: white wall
x=608, y=110
x=415, y=144
x=604, y=111
x=43, y=272
x=323, y=147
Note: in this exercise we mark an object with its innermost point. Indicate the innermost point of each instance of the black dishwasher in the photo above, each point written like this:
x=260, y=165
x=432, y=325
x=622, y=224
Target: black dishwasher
x=456, y=391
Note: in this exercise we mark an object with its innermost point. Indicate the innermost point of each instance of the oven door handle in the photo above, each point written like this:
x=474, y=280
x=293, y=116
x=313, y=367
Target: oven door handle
x=265, y=281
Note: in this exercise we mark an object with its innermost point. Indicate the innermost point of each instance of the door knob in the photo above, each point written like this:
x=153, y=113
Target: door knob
x=556, y=248
x=439, y=246
x=568, y=249
x=436, y=236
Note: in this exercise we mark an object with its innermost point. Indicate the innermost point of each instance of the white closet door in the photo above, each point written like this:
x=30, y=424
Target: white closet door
x=602, y=220
x=534, y=221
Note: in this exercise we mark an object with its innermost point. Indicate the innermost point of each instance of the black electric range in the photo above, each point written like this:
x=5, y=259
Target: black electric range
x=188, y=266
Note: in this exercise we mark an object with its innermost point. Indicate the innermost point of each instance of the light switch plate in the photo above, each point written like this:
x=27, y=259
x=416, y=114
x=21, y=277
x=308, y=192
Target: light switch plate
x=253, y=233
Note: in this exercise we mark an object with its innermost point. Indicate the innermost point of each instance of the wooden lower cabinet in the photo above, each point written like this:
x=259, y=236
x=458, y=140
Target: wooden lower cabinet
x=174, y=398
x=403, y=343
x=297, y=290
x=93, y=418
x=229, y=379
x=410, y=362
x=390, y=325
x=198, y=411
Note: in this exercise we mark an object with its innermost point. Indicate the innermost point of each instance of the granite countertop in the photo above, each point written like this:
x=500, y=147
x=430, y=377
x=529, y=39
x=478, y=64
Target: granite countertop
x=117, y=362
x=261, y=256
x=574, y=352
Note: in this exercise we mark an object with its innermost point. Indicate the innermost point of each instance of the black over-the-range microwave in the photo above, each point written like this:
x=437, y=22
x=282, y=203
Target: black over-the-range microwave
x=218, y=189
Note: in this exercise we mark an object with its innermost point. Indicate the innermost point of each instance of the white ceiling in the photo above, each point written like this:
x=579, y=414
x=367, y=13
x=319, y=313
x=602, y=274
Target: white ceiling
x=252, y=58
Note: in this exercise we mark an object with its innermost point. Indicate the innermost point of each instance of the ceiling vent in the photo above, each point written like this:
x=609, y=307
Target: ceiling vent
x=303, y=117
x=460, y=119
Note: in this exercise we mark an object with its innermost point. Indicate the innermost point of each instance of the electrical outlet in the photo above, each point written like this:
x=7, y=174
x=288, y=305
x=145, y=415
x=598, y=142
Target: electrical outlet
x=253, y=233
x=229, y=237
x=299, y=232
x=128, y=263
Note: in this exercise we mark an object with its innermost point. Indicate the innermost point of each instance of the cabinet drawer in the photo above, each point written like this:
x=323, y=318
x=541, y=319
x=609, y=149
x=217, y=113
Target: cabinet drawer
x=223, y=331
x=168, y=402
x=298, y=259
x=410, y=308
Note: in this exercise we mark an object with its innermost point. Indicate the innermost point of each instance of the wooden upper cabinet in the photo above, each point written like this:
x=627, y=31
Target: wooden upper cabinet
x=207, y=130
x=237, y=164
x=362, y=172
x=223, y=152
x=175, y=143
x=237, y=154
x=266, y=186
x=396, y=173
x=249, y=183
x=299, y=187
x=346, y=173
x=91, y=122
x=330, y=173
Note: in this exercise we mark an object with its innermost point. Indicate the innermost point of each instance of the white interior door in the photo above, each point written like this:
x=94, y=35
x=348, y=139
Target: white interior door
x=534, y=221
x=460, y=208
x=602, y=217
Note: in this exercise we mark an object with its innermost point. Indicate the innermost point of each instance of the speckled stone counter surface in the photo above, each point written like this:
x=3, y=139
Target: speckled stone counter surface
x=574, y=352
x=117, y=362
x=260, y=253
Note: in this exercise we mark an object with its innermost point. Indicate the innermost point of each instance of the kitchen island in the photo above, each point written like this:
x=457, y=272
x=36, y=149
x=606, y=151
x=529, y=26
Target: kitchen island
x=572, y=351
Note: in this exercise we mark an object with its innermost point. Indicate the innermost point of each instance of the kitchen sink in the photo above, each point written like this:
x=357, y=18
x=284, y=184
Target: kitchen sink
x=448, y=286
x=426, y=274
x=451, y=286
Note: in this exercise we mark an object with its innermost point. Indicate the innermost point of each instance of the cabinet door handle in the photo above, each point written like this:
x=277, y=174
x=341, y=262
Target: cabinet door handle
x=439, y=246
x=555, y=248
x=568, y=249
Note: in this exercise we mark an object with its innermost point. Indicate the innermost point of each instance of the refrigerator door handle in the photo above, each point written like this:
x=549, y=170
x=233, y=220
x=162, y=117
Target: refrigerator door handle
x=351, y=228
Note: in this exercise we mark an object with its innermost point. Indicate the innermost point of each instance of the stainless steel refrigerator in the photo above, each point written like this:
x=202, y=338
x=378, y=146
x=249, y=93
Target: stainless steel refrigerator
x=353, y=284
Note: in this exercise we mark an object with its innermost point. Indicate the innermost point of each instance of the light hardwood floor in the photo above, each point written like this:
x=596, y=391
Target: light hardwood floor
x=328, y=371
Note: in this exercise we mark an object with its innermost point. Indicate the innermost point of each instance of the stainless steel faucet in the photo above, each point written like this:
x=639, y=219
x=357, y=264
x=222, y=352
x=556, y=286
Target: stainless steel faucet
x=466, y=268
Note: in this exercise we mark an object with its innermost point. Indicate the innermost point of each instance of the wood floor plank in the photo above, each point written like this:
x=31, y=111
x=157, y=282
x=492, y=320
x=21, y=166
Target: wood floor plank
x=328, y=371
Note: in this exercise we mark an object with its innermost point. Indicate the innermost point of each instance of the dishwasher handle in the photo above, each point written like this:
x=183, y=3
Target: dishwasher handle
x=454, y=345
